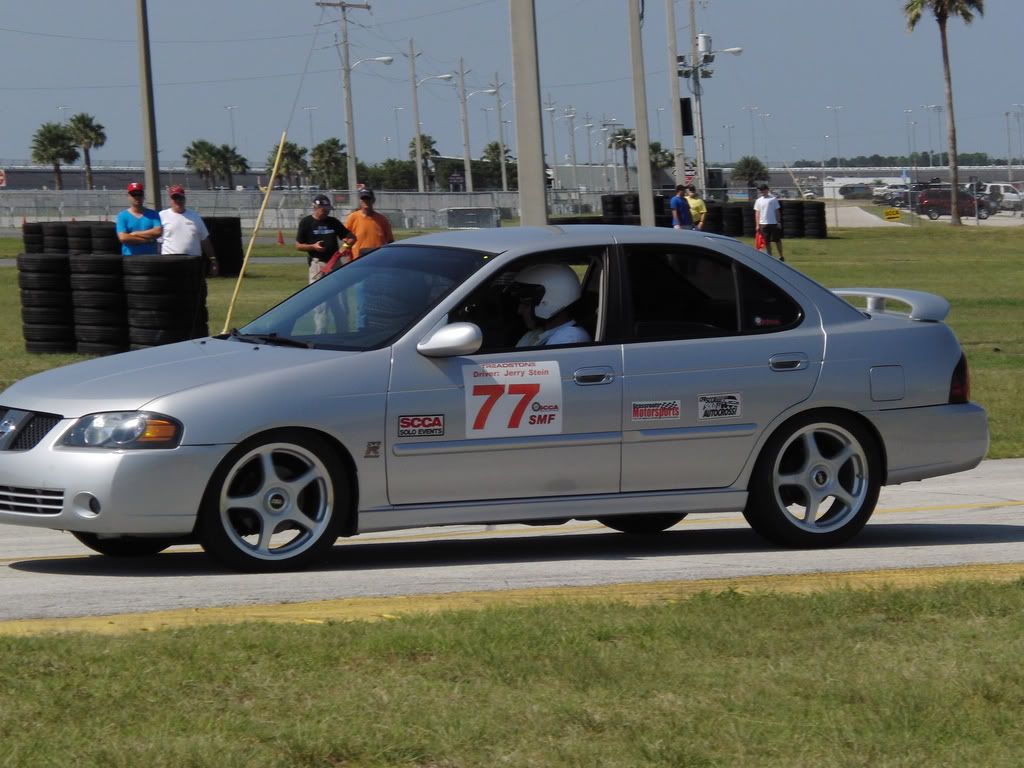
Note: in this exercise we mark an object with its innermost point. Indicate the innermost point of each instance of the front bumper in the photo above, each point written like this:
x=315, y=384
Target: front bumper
x=931, y=441
x=151, y=492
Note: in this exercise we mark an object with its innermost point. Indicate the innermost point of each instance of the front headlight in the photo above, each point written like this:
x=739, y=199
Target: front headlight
x=124, y=429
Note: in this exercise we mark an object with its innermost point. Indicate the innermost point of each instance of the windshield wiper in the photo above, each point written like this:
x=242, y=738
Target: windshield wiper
x=271, y=339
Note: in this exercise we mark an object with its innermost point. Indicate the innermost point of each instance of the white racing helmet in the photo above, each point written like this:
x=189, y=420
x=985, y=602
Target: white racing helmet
x=560, y=284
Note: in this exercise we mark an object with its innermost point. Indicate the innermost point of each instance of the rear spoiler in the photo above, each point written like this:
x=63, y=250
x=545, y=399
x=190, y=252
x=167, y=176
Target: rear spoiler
x=923, y=306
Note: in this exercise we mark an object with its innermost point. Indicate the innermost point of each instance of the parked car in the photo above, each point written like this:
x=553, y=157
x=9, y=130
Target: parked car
x=888, y=192
x=1004, y=195
x=394, y=393
x=855, y=192
x=937, y=201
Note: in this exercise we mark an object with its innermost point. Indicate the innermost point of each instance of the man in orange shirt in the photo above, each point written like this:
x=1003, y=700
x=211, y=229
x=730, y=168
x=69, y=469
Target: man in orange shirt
x=371, y=229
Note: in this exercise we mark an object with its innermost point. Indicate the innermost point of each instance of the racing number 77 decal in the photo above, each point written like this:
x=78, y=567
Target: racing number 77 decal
x=513, y=398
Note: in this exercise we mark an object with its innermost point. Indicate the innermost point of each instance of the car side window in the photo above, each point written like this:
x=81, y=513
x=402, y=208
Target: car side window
x=691, y=293
x=494, y=306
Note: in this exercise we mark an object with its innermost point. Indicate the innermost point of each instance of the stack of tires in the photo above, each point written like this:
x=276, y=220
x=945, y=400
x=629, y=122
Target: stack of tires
x=55, y=237
x=32, y=237
x=47, y=322
x=226, y=239
x=732, y=219
x=814, y=219
x=166, y=299
x=101, y=323
x=749, y=220
x=792, y=213
x=611, y=209
x=104, y=237
x=714, y=221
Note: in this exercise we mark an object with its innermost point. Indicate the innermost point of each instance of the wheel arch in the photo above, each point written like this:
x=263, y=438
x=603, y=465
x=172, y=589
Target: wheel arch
x=823, y=413
x=351, y=523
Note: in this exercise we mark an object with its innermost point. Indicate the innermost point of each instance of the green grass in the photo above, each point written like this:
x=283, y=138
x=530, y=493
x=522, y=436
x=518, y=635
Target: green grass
x=980, y=271
x=924, y=677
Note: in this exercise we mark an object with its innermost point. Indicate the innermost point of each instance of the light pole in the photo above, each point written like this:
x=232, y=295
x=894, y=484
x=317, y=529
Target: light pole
x=728, y=129
x=765, y=117
x=550, y=109
x=1009, y=150
x=61, y=108
x=231, y=121
x=309, y=111
x=590, y=146
x=702, y=55
x=350, y=130
x=937, y=110
x=928, y=120
x=571, y=117
x=678, y=156
x=658, y=115
x=467, y=165
x=751, y=110
x=398, y=132
x=416, y=111
x=834, y=108
x=496, y=87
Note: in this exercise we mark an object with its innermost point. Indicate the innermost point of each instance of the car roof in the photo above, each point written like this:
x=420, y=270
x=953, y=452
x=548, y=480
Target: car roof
x=502, y=239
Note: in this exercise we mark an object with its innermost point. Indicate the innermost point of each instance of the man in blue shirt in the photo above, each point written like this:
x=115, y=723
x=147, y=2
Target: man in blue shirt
x=138, y=227
x=681, y=216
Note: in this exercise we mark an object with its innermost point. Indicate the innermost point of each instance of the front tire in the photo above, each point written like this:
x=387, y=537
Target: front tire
x=816, y=482
x=933, y=213
x=277, y=502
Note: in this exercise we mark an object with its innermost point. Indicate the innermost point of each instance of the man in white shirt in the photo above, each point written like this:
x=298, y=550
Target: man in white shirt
x=766, y=217
x=184, y=231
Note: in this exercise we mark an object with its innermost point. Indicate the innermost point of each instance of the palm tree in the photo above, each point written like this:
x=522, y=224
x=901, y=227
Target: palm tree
x=942, y=10
x=87, y=134
x=293, y=162
x=327, y=163
x=749, y=169
x=660, y=157
x=229, y=162
x=201, y=157
x=624, y=139
x=53, y=143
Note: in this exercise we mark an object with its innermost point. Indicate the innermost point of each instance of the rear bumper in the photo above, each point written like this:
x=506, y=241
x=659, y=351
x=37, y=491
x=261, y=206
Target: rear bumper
x=931, y=441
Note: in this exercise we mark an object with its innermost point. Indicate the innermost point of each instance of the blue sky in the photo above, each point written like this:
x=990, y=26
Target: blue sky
x=799, y=56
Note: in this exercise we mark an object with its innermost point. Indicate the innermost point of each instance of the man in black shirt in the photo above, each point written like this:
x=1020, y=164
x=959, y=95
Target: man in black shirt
x=321, y=235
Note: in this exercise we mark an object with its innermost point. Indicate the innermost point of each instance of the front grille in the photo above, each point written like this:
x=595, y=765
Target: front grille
x=31, y=501
x=36, y=429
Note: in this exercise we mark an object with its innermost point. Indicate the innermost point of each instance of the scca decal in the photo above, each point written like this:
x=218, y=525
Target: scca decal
x=421, y=426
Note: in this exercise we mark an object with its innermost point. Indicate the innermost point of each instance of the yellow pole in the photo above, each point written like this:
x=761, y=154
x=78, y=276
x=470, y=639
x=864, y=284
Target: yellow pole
x=252, y=240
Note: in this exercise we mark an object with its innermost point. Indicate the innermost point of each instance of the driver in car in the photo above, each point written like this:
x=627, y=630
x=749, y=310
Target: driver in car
x=546, y=293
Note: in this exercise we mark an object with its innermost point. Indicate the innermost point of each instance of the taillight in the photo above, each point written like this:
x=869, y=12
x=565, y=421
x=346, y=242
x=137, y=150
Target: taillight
x=960, y=383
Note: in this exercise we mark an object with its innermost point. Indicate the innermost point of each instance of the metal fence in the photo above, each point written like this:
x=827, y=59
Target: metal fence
x=405, y=210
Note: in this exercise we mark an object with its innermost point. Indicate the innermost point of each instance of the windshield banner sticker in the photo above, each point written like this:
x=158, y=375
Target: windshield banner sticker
x=718, y=406
x=656, y=410
x=514, y=398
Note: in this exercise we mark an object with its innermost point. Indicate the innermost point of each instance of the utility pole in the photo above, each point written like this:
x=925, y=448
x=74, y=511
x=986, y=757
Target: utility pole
x=644, y=182
x=501, y=134
x=678, y=152
x=549, y=107
x=698, y=119
x=346, y=75
x=529, y=131
x=416, y=117
x=148, y=110
x=467, y=166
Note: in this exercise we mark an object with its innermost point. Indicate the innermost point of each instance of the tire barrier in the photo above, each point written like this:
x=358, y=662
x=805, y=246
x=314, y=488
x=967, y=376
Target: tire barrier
x=611, y=208
x=226, y=239
x=104, y=237
x=32, y=237
x=166, y=299
x=791, y=218
x=624, y=208
x=47, y=323
x=55, y=237
x=814, y=219
x=101, y=322
x=732, y=219
x=714, y=221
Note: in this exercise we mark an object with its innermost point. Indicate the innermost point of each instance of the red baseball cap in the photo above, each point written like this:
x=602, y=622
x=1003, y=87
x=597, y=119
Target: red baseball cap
x=135, y=186
x=175, y=189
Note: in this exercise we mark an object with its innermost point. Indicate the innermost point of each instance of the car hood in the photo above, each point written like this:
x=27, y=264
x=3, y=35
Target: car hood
x=129, y=381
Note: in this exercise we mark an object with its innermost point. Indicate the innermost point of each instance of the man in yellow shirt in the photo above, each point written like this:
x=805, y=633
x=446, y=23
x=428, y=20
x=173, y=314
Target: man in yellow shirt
x=698, y=210
x=371, y=229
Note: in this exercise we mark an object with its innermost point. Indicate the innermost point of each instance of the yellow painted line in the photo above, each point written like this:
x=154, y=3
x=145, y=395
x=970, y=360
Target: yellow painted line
x=383, y=608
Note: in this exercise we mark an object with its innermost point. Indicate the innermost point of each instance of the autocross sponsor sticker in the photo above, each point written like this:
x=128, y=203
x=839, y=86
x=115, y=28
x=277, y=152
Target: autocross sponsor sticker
x=656, y=410
x=513, y=398
x=718, y=406
x=421, y=426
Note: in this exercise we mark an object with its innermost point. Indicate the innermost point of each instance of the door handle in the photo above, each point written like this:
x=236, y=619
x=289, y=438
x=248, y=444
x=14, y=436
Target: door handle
x=590, y=376
x=793, y=361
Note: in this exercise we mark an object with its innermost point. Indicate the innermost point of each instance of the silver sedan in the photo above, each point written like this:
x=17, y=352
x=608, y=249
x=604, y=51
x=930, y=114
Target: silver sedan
x=623, y=374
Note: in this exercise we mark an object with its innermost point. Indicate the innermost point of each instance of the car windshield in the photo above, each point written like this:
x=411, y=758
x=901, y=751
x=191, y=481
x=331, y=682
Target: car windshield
x=367, y=303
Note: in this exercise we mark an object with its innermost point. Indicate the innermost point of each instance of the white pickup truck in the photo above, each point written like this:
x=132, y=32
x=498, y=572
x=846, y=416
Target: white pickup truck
x=1005, y=194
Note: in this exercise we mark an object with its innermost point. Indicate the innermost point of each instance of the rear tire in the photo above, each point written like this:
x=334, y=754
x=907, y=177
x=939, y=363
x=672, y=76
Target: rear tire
x=816, y=481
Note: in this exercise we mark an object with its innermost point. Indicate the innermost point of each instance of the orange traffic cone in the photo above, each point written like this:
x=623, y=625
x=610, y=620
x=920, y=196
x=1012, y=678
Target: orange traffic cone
x=280, y=237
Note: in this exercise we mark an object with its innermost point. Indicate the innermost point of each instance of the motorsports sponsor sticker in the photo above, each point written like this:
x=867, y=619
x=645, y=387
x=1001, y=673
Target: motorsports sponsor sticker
x=718, y=406
x=656, y=410
x=513, y=398
x=421, y=426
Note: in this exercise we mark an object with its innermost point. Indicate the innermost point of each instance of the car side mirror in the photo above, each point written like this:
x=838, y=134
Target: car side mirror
x=452, y=340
